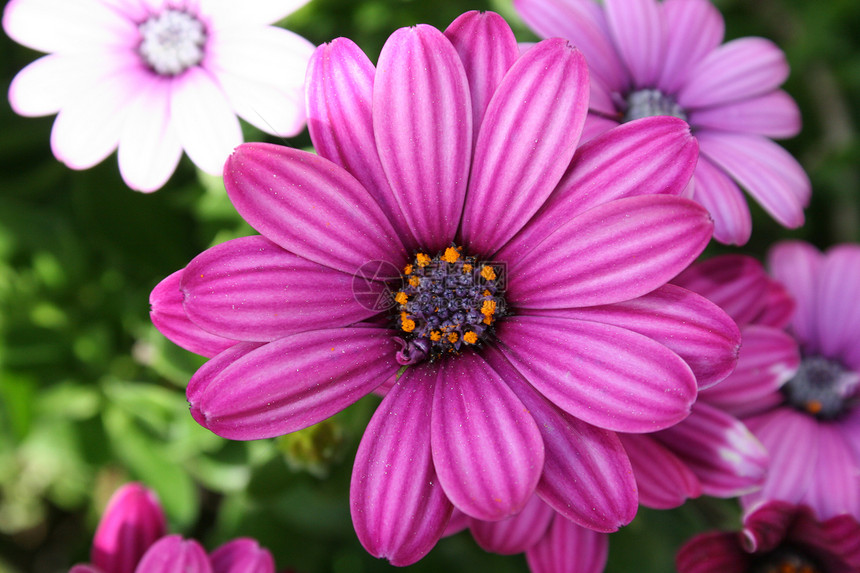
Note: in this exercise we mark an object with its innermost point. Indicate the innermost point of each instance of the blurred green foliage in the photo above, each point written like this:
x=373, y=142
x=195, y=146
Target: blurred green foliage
x=91, y=395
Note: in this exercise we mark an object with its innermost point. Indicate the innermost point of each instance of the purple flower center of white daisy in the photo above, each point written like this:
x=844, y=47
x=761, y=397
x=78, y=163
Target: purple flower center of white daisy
x=447, y=303
x=650, y=103
x=822, y=387
x=172, y=42
x=785, y=559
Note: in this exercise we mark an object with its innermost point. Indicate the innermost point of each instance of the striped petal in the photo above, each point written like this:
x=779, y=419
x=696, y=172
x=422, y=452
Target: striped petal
x=637, y=30
x=797, y=265
x=773, y=115
x=663, y=478
x=694, y=28
x=724, y=201
x=515, y=534
x=568, y=548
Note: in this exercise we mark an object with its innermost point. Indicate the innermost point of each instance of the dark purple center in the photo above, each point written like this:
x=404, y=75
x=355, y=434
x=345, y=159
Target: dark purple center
x=822, y=387
x=785, y=559
x=650, y=103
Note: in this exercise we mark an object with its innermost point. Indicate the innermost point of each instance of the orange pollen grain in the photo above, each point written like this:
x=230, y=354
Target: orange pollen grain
x=488, y=308
x=423, y=260
x=467, y=268
x=814, y=406
x=408, y=325
x=488, y=273
x=435, y=336
x=451, y=255
x=488, y=320
x=414, y=281
x=407, y=270
x=452, y=338
x=401, y=298
x=470, y=337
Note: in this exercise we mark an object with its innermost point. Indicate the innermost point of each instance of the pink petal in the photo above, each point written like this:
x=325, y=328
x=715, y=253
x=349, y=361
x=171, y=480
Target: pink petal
x=725, y=456
x=487, y=449
x=84, y=569
x=132, y=521
x=205, y=123
x=487, y=46
x=644, y=157
x=211, y=369
x=768, y=359
x=583, y=23
x=797, y=265
x=638, y=33
x=712, y=553
x=251, y=289
x=459, y=521
x=310, y=207
x=339, y=96
x=774, y=114
x=836, y=540
x=613, y=252
x=604, y=375
x=172, y=554
x=595, y=124
x=587, y=476
x=523, y=150
x=737, y=70
x=724, y=201
x=694, y=28
x=168, y=316
x=149, y=148
x=569, y=548
x=835, y=485
x=422, y=118
x=687, y=324
x=398, y=507
x=838, y=316
x=294, y=382
x=778, y=307
x=514, y=534
x=767, y=171
x=766, y=527
x=664, y=479
x=242, y=556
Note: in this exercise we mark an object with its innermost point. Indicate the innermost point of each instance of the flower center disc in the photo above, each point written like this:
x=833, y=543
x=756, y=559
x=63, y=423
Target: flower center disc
x=172, y=42
x=822, y=387
x=785, y=560
x=447, y=303
x=649, y=103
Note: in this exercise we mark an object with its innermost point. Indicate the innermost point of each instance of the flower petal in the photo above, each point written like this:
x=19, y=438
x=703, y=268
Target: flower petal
x=294, y=382
x=643, y=157
x=664, y=480
x=604, y=375
x=339, y=96
x=149, y=148
x=724, y=201
x=242, y=555
x=726, y=457
x=204, y=120
x=774, y=114
x=613, y=252
x=251, y=289
x=44, y=86
x=132, y=521
x=587, y=477
x=310, y=207
x=172, y=553
x=262, y=72
x=227, y=13
x=637, y=30
x=211, y=369
x=487, y=449
x=488, y=48
x=797, y=265
x=712, y=553
x=422, y=118
x=737, y=70
x=568, y=548
x=583, y=23
x=514, y=534
x=694, y=28
x=768, y=359
x=778, y=307
x=838, y=309
x=523, y=150
x=835, y=485
x=168, y=316
x=398, y=507
x=767, y=171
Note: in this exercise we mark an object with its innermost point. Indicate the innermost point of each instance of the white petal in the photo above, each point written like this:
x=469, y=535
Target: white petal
x=231, y=12
x=46, y=85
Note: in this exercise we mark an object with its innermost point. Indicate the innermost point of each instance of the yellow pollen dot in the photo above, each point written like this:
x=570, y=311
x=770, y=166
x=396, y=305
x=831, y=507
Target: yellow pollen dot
x=488, y=273
x=467, y=268
x=488, y=320
x=408, y=325
x=488, y=308
x=814, y=406
x=414, y=281
x=404, y=316
x=423, y=260
x=452, y=338
x=435, y=336
x=470, y=337
x=451, y=255
x=407, y=270
x=401, y=298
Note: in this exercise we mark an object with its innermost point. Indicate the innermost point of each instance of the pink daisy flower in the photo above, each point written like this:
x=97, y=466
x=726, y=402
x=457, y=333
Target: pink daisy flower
x=154, y=77
x=667, y=58
x=446, y=179
x=131, y=538
x=798, y=391
x=777, y=538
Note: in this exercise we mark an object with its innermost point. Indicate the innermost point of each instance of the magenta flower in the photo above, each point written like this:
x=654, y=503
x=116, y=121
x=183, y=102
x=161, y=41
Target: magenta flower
x=797, y=391
x=154, y=77
x=444, y=179
x=651, y=58
x=131, y=538
x=778, y=537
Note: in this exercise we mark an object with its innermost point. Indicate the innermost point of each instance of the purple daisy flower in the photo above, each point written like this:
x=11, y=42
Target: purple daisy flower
x=153, y=77
x=446, y=180
x=651, y=58
x=777, y=538
x=798, y=391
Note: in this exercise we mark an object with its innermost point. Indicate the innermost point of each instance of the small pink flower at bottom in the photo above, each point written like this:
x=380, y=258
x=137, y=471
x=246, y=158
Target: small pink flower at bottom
x=155, y=77
x=777, y=538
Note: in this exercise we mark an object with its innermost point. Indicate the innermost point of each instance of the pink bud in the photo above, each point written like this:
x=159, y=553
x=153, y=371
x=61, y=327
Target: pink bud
x=242, y=555
x=172, y=554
